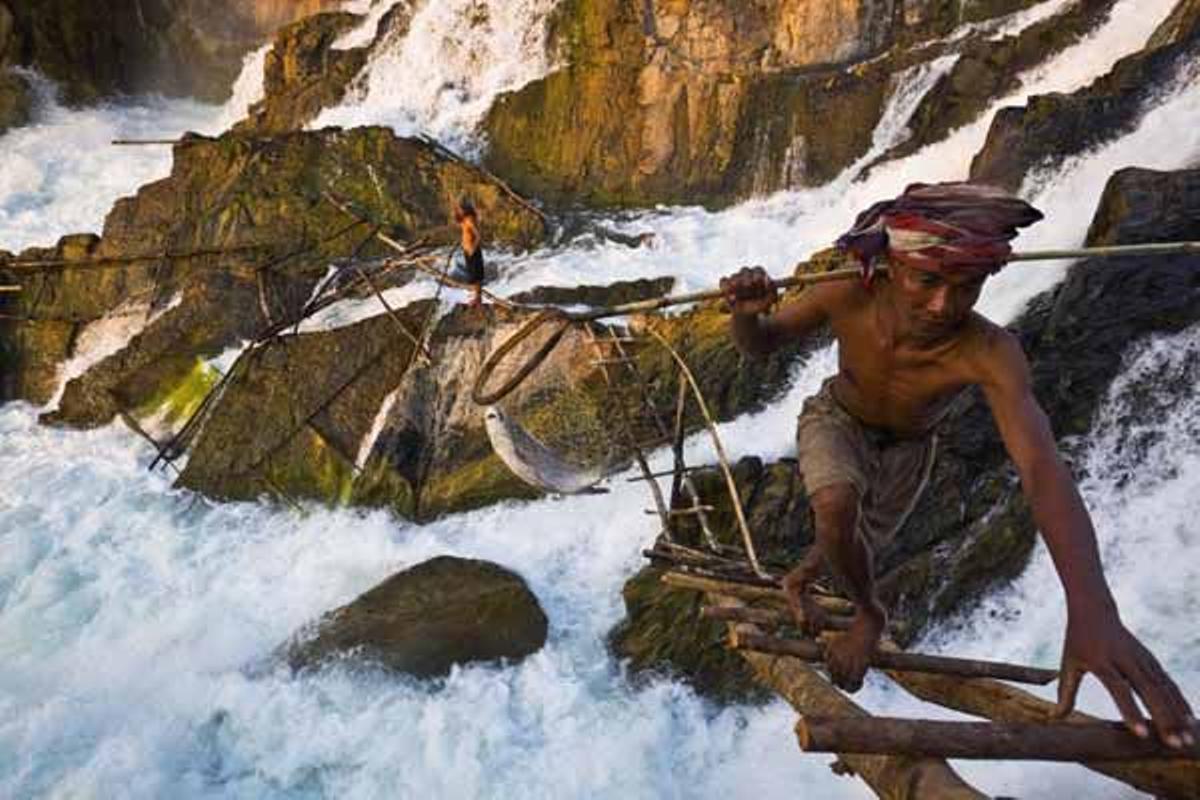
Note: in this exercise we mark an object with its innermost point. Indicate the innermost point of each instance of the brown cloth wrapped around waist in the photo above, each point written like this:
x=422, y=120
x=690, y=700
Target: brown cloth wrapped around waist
x=889, y=472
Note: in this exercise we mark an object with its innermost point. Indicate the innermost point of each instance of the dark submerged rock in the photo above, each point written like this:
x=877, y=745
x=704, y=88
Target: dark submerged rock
x=596, y=296
x=443, y=612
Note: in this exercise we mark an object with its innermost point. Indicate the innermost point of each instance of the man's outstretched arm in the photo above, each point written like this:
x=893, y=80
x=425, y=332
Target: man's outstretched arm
x=1096, y=640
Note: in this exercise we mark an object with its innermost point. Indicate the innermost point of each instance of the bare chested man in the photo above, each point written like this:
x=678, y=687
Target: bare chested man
x=908, y=343
x=467, y=220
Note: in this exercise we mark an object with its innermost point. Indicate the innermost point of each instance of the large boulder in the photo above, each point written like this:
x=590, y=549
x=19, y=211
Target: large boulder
x=425, y=620
x=971, y=530
x=1052, y=128
x=350, y=416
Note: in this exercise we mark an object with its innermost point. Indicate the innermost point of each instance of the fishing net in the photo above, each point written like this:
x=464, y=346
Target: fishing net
x=569, y=420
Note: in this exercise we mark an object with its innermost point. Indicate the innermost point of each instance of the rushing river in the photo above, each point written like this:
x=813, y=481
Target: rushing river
x=136, y=619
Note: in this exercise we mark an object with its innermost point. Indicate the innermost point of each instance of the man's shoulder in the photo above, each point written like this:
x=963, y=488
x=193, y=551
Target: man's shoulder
x=990, y=351
x=842, y=296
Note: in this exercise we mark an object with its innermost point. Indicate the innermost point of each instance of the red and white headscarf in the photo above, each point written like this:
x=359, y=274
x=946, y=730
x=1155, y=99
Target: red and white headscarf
x=940, y=226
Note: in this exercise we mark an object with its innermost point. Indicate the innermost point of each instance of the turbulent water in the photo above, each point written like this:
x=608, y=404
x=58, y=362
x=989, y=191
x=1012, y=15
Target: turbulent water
x=135, y=619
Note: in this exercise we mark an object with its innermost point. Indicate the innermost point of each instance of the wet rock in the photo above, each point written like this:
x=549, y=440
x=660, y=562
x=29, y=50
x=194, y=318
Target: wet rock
x=1052, y=128
x=16, y=100
x=676, y=102
x=247, y=235
x=597, y=296
x=425, y=620
x=990, y=68
x=972, y=530
x=97, y=49
x=304, y=74
x=348, y=416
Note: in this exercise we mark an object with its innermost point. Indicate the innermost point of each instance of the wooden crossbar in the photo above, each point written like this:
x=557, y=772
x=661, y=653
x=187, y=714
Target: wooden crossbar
x=1006, y=741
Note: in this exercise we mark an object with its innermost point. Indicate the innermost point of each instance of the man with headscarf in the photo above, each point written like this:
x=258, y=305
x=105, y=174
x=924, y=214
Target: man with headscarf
x=908, y=344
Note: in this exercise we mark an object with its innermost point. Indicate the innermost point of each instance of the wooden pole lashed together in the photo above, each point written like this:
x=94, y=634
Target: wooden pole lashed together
x=1003, y=741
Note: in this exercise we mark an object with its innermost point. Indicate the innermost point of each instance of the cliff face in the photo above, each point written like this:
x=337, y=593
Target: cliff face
x=1052, y=128
x=97, y=48
x=715, y=101
x=270, y=15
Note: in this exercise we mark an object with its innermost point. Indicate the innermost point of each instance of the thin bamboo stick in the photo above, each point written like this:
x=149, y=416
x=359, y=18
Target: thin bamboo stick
x=767, y=618
x=101, y=263
x=1024, y=741
x=441, y=277
x=9, y=289
x=814, y=653
x=734, y=498
x=1116, y=251
x=746, y=591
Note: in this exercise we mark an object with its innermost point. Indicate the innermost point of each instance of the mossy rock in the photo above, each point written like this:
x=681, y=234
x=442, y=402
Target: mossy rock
x=427, y=619
x=664, y=635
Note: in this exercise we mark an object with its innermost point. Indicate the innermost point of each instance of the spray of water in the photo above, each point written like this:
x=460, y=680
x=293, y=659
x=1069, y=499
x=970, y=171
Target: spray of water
x=441, y=77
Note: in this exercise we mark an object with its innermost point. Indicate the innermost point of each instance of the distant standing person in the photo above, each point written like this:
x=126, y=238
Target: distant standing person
x=468, y=222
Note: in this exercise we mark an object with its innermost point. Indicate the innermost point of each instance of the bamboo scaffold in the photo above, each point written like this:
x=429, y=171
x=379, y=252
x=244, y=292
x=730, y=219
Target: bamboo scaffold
x=1022, y=726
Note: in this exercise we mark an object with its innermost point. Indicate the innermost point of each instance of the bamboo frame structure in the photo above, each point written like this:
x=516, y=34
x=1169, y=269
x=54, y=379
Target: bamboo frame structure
x=890, y=777
x=1174, y=778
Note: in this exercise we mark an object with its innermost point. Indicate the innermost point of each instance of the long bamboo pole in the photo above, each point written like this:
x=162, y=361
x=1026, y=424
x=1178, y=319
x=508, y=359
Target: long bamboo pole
x=768, y=618
x=814, y=653
x=16, y=265
x=1116, y=251
x=9, y=289
x=1024, y=741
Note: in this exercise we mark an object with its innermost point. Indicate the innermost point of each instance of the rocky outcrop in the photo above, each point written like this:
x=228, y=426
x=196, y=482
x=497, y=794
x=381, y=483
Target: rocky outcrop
x=424, y=621
x=1055, y=127
x=989, y=68
x=247, y=234
x=349, y=416
x=98, y=48
x=671, y=102
x=596, y=296
x=304, y=74
x=16, y=100
x=972, y=530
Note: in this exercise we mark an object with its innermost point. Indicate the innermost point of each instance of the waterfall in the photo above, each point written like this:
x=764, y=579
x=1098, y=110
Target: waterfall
x=442, y=75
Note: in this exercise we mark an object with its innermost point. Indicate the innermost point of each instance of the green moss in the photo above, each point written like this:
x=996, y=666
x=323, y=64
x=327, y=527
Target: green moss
x=310, y=468
x=175, y=402
x=476, y=484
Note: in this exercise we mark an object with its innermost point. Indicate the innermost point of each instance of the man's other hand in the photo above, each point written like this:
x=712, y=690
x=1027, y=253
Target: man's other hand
x=749, y=291
x=1125, y=667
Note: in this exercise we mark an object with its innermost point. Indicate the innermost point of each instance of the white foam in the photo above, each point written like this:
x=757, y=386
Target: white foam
x=61, y=174
x=128, y=610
